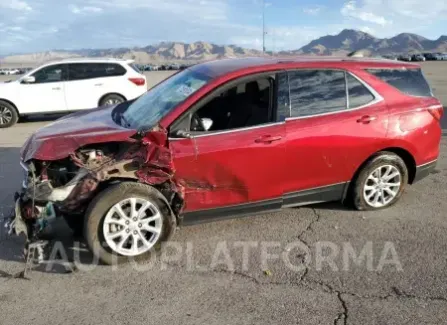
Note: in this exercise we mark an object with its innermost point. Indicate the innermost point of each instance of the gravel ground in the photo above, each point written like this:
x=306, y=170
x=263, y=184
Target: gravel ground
x=205, y=278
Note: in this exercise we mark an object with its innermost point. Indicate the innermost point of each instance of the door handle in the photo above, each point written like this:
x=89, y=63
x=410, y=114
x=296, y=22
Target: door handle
x=268, y=139
x=57, y=88
x=98, y=85
x=366, y=119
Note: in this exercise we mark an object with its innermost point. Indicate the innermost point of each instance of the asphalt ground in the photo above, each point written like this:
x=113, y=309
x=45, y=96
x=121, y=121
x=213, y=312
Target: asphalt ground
x=321, y=264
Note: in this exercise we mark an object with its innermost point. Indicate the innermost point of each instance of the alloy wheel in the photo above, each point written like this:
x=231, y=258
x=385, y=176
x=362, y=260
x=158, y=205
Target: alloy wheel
x=5, y=115
x=113, y=101
x=132, y=226
x=382, y=186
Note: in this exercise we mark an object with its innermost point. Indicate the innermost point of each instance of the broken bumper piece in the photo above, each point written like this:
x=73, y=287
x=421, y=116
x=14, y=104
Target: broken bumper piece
x=15, y=224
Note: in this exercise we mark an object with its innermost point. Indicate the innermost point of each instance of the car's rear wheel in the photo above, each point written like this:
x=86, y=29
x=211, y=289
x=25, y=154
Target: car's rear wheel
x=381, y=182
x=127, y=222
x=112, y=99
x=8, y=115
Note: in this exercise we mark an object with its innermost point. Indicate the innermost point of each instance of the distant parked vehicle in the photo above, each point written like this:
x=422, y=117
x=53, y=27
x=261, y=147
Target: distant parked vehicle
x=390, y=57
x=405, y=57
x=418, y=57
x=429, y=56
x=14, y=71
x=70, y=85
x=175, y=66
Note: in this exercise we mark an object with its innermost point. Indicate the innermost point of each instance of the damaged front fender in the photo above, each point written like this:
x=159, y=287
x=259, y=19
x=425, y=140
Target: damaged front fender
x=69, y=184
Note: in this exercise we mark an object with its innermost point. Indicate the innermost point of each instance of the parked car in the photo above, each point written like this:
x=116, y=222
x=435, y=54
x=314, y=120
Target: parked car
x=390, y=57
x=405, y=57
x=417, y=57
x=438, y=56
x=229, y=138
x=70, y=85
x=429, y=56
x=14, y=71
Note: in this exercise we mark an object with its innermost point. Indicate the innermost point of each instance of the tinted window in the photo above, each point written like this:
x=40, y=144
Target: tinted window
x=54, y=73
x=283, y=103
x=314, y=92
x=408, y=81
x=359, y=95
x=80, y=71
x=134, y=67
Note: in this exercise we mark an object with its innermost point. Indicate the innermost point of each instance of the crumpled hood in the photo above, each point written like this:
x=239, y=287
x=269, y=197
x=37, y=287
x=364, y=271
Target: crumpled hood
x=62, y=137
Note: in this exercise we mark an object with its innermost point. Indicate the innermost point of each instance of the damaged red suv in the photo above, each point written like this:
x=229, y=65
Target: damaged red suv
x=229, y=138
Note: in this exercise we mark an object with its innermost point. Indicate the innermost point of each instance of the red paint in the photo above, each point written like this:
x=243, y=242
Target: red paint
x=62, y=137
x=231, y=168
x=262, y=163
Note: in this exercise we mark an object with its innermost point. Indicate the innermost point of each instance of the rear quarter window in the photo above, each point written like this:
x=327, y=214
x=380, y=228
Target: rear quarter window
x=409, y=81
x=134, y=67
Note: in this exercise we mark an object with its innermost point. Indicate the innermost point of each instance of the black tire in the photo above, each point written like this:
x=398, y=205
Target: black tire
x=380, y=159
x=112, y=99
x=10, y=117
x=98, y=208
x=76, y=224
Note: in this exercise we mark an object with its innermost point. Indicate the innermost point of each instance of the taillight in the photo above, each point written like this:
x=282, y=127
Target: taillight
x=437, y=111
x=138, y=81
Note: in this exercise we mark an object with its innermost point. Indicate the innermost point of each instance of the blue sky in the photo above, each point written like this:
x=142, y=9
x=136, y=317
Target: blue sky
x=41, y=25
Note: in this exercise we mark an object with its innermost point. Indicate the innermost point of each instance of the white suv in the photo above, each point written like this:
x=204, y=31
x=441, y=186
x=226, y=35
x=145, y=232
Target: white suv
x=70, y=85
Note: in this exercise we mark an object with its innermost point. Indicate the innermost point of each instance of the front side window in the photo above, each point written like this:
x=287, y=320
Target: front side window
x=54, y=73
x=247, y=104
x=315, y=92
x=149, y=109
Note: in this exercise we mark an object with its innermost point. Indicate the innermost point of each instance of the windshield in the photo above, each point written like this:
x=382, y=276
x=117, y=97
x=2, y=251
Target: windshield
x=150, y=108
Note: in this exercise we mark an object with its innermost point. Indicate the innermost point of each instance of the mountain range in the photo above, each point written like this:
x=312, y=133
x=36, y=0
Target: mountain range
x=345, y=42
x=350, y=40
x=162, y=52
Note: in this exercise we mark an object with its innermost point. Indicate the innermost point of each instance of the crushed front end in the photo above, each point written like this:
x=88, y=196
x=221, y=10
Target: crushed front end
x=65, y=187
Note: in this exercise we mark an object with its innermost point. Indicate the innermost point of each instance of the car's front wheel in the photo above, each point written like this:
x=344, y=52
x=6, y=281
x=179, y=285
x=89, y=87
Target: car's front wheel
x=381, y=182
x=126, y=222
x=8, y=115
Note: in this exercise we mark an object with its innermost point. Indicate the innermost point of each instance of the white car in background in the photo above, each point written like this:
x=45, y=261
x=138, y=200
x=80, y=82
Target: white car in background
x=70, y=85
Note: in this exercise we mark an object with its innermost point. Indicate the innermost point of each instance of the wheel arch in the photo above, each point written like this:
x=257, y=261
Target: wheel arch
x=112, y=93
x=157, y=190
x=10, y=103
x=404, y=154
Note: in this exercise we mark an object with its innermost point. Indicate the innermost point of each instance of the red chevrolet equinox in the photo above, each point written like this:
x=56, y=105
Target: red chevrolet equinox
x=230, y=138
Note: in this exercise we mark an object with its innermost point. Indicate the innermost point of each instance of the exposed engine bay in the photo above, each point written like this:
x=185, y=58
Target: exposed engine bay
x=64, y=187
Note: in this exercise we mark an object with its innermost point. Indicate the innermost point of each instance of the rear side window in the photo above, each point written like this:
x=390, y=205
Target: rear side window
x=408, y=81
x=359, y=95
x=134, y=67
x=314, y=92
x=81, y=71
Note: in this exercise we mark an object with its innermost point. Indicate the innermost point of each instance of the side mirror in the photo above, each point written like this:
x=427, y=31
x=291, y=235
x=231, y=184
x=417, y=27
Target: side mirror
x=28, y=80
x=207, y=123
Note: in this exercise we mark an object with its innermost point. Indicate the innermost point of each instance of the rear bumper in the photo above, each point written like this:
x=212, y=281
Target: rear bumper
x=424, y=170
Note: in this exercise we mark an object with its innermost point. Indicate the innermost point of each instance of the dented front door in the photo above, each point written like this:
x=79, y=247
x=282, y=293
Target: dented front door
x=231, y=167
